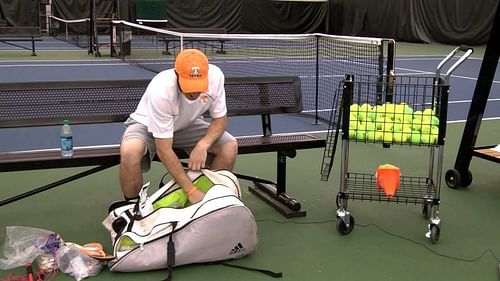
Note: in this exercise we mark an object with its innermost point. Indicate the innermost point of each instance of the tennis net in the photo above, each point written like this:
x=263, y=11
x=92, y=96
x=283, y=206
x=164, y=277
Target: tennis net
x=320, y=60
x=76, y=32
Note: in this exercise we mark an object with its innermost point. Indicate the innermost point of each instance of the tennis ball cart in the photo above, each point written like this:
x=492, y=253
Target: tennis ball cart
x=389, y=111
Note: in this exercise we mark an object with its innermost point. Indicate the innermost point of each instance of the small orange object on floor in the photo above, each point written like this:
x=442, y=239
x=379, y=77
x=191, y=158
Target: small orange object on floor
x=388, y=179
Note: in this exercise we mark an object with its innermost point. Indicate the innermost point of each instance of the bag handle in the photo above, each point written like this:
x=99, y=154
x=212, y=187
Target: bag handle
x=170, y=253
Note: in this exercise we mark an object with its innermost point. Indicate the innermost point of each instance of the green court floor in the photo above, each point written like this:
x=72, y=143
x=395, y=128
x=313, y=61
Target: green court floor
x=387, y=242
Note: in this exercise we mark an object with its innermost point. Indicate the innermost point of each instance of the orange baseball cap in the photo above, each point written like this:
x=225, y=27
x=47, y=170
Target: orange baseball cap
x=191, y=66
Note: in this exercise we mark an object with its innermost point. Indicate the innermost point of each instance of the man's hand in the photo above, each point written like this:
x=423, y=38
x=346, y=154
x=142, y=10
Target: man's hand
x=197, y=158
x=196, y=196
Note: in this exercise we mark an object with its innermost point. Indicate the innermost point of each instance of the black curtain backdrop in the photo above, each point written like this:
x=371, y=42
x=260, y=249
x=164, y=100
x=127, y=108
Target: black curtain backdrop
x=453, y=21
x=444, y=21
x=71, y=9
x=204, y=14
x=19, y=13
x=79, y=9
x=264, y=16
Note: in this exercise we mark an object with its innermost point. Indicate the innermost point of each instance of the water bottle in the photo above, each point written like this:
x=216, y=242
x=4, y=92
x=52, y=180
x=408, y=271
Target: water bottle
x=66, y=140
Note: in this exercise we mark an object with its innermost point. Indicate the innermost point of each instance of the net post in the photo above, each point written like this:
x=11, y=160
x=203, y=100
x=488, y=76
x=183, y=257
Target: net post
x=89, y=35
x=390, y=74
x=380, y=76
x=316, y=98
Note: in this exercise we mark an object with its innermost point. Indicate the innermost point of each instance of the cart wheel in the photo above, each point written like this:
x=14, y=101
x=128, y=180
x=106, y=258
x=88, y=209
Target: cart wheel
x=342, y=228
x=466, y=181
x=435, y=232
x=426, y=210
x=453, y=178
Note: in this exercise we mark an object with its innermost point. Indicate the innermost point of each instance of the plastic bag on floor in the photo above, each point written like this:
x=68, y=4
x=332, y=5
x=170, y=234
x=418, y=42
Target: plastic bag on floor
x=23, y=244
x=71, y=261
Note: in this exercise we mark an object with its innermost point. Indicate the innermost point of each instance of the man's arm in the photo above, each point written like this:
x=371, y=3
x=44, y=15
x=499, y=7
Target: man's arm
x=199, y=154
x=165, y=152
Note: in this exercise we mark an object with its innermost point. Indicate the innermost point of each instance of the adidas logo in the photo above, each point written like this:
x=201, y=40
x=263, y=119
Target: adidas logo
x=237, y=249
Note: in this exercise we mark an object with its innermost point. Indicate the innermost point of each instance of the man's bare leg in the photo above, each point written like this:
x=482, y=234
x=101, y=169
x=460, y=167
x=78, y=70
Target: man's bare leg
x=224, y=156
x=131, y=154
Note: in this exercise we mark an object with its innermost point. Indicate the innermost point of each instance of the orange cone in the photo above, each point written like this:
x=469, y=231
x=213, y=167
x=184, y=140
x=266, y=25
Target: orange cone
x=388, y=179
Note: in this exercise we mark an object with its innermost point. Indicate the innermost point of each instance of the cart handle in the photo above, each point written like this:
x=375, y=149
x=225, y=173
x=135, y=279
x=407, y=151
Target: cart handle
x=467, y=52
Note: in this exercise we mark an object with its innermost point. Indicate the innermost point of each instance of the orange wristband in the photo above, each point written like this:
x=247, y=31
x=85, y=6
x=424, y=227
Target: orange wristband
x=191, y=192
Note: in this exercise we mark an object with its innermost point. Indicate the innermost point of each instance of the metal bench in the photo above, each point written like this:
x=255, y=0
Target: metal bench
x=91, y=102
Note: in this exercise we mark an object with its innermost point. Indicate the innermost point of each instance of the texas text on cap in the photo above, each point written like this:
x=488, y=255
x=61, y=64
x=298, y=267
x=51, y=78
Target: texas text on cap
x=192, y=68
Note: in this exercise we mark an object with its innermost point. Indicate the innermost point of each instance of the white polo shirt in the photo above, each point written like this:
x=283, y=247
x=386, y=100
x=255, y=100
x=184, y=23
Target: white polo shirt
x=164, y=109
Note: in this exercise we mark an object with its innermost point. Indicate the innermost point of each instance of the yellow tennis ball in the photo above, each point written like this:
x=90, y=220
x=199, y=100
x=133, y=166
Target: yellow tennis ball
x=370, y=126
x=362, y=116
x=363, y=111
x=353, y=125
x=389, y=110
x=387, y=137
x=388, y=124
x=434, y=134
x=365, y=107
x=354, y=108
x=416, y=124
x=426, y=139
x=417, y=115
x=434, y=139
x=428, y=122
x=434, y=130
x=415, y=137
x=428, y=112
x=397, y=127
x=434, y=120
x=400, y=137
x=399, y=108
x=372, y=116
x=407, y=119
x=406, y=129
x=371, y=135
x=353, y=116
x=399, y=112
x=408, y=109
x=352, y=134
x=379, y=123
x=379, y=111
x=426, y=127
x=360, y=135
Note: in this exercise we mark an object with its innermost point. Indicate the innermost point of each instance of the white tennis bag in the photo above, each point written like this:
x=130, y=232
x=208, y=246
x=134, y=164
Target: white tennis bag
x=148, y=237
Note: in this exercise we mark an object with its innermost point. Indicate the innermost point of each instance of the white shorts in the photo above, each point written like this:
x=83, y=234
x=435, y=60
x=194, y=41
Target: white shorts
x=183, y=139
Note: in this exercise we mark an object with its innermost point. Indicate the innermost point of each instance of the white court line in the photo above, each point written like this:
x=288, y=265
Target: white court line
x=427, y=57
x=421, y=72
x=463, y=121
x=469, y=101
x=65, y=65
x=414, y=71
